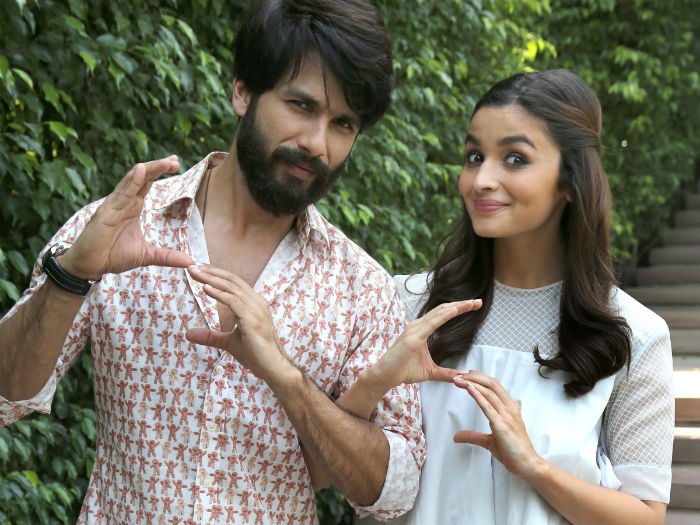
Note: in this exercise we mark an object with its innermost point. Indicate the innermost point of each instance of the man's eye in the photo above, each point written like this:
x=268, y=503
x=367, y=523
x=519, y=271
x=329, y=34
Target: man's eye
x=344, y=124
x=516, y=159
x=300, y=104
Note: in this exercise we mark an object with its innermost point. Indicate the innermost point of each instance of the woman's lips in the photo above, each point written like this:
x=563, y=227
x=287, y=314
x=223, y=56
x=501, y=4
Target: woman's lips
x=488, y=205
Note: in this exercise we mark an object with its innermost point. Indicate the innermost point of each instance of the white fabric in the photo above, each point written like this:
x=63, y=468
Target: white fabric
x=629, y=414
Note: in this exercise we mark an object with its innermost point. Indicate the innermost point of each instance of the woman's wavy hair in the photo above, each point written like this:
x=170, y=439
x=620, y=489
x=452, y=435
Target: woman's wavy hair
x=594, y=342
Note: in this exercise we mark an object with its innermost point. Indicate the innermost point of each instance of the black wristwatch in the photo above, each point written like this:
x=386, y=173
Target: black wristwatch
x=59, y=276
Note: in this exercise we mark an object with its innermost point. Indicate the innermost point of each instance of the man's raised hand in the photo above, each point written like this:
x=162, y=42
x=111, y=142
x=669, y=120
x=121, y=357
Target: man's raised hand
x=112, y=242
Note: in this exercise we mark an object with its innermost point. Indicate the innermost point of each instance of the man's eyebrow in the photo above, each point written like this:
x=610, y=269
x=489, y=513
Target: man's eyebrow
x=296, y=93
x=302, y=96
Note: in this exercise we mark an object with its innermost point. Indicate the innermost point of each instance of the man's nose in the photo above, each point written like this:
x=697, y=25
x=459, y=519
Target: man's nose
x=312, y=139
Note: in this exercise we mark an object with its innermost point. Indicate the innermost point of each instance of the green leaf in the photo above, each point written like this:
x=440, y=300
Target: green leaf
x=31, y=476
x=61, y=130
x=18, y=262
x=10, y=289
x=75, y=24
x=24, y=76
x=88, y=59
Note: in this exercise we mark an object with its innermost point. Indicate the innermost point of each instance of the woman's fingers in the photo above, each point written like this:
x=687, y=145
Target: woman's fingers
x=473, y=437
x=484, y=403
x=479, y=378
x=439, y=315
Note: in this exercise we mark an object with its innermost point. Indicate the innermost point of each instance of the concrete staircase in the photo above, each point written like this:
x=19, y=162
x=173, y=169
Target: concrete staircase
x=671, y=287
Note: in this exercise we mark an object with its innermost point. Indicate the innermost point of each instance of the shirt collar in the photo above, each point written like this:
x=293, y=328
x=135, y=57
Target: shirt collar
x=181, y=190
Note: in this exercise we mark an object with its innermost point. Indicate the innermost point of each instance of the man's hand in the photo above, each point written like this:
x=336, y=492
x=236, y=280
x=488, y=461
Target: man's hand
x=112, y=241
x=253, y=341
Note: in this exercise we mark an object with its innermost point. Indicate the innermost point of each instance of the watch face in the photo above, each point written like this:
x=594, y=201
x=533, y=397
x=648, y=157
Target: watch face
x=59, y=248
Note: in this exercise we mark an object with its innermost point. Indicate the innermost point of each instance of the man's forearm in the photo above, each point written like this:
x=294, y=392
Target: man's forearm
x=353, y=451
x=32, y=338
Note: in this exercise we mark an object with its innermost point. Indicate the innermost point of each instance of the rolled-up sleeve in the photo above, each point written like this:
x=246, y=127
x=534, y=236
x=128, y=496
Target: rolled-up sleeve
x=74, y=343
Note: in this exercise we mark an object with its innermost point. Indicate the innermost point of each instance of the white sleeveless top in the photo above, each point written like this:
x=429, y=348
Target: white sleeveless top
x=620, y=435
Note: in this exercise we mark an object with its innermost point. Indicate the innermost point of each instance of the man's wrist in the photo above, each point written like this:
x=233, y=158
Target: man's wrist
x=69, y=266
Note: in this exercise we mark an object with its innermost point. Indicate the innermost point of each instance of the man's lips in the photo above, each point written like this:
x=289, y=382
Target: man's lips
x=301, y=171
x=488, y=205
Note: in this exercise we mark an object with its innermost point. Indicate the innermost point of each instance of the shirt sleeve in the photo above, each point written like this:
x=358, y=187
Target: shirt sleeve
x=11, y=411
x=399, y=413
x=638, y=425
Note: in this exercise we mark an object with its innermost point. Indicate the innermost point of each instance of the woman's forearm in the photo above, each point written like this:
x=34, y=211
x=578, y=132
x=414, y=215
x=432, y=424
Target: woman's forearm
x=582, y=502
x=366, y=393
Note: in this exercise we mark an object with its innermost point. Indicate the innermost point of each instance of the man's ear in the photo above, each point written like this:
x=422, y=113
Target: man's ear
x=241, y=97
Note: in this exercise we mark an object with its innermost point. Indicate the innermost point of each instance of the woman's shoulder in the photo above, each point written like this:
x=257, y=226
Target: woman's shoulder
x=413, y=290
x=643, y=322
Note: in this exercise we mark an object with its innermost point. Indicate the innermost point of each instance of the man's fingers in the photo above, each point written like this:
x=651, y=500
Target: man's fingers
x=206, y=337
x=166, y=257
x=473, y=437
x=444, y=374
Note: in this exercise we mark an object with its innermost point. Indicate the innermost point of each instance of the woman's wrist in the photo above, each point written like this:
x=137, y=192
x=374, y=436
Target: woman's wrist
x=375, y=380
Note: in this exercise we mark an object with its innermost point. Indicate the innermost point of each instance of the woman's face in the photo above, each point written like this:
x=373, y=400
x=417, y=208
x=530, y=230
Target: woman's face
x=509, y=179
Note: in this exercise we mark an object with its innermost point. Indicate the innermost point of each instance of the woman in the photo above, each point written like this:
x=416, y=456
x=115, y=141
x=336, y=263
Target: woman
x=567, y=378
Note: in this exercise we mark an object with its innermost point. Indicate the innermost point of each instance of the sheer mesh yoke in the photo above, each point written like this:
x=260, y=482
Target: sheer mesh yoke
x=637, y=427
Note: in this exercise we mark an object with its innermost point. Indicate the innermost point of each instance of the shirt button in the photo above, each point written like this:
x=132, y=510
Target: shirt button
x=219, y=370
x=208, y=482
x=211, y=426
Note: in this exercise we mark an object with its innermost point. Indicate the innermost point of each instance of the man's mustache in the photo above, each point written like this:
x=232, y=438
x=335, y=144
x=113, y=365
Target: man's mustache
x=297, y=156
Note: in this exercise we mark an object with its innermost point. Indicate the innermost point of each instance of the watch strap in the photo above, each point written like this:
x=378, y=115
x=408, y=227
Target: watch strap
x=59, y=276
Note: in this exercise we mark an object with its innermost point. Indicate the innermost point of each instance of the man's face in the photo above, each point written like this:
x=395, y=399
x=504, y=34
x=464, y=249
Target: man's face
x=292, y=141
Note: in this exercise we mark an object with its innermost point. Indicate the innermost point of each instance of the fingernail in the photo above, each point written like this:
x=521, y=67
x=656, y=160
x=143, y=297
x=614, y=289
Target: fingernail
x=478, y=301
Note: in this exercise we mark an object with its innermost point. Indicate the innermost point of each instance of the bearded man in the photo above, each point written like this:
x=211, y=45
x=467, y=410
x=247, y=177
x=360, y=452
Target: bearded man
x=281, y=312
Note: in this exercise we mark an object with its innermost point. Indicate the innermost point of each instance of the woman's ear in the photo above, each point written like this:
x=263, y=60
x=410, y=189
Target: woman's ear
x=241, y=97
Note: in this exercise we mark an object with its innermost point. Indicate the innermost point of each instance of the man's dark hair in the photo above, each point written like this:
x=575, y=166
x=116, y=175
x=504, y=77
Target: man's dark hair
x=349, y=36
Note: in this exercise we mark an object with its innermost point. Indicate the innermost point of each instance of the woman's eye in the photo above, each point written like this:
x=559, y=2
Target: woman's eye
x=516, y=159
x=300, y=104
x=473, y=157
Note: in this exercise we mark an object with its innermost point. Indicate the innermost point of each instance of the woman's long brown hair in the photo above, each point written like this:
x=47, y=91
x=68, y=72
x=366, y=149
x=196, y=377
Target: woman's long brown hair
x=594, y=341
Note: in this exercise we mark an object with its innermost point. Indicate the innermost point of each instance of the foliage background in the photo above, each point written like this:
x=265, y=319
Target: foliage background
x=88, y=88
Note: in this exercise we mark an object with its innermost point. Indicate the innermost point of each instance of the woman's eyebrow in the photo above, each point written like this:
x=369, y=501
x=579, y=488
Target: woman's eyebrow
x=516, y=138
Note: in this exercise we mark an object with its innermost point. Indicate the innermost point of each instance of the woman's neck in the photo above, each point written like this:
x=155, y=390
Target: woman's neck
x=528, y=263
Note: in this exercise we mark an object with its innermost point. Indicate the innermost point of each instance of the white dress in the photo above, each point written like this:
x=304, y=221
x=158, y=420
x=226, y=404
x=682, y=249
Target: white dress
x=620, y=435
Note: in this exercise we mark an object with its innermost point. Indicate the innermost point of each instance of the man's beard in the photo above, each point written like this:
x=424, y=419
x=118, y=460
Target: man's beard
x=281, y=194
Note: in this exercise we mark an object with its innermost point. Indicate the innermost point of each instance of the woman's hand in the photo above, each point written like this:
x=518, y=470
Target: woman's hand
x=408, y=360
x=509, y=441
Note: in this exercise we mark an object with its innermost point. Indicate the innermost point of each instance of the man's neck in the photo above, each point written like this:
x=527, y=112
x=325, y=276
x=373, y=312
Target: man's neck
x=230, y=208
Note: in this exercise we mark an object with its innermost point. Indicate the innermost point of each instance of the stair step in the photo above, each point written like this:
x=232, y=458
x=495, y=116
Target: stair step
x=679, y=316
x=686, y=445
x=685, y=341
x=683, y=218
x=692, y=202
x=676, y=236
x=688, y=363
x=682, y=517
x=685, y=488
x=668, y=273
x=686, y=386
x=675, y=255
x=667, y=294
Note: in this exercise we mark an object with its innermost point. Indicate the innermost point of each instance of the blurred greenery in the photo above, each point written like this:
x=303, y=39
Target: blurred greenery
x=91, y=87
